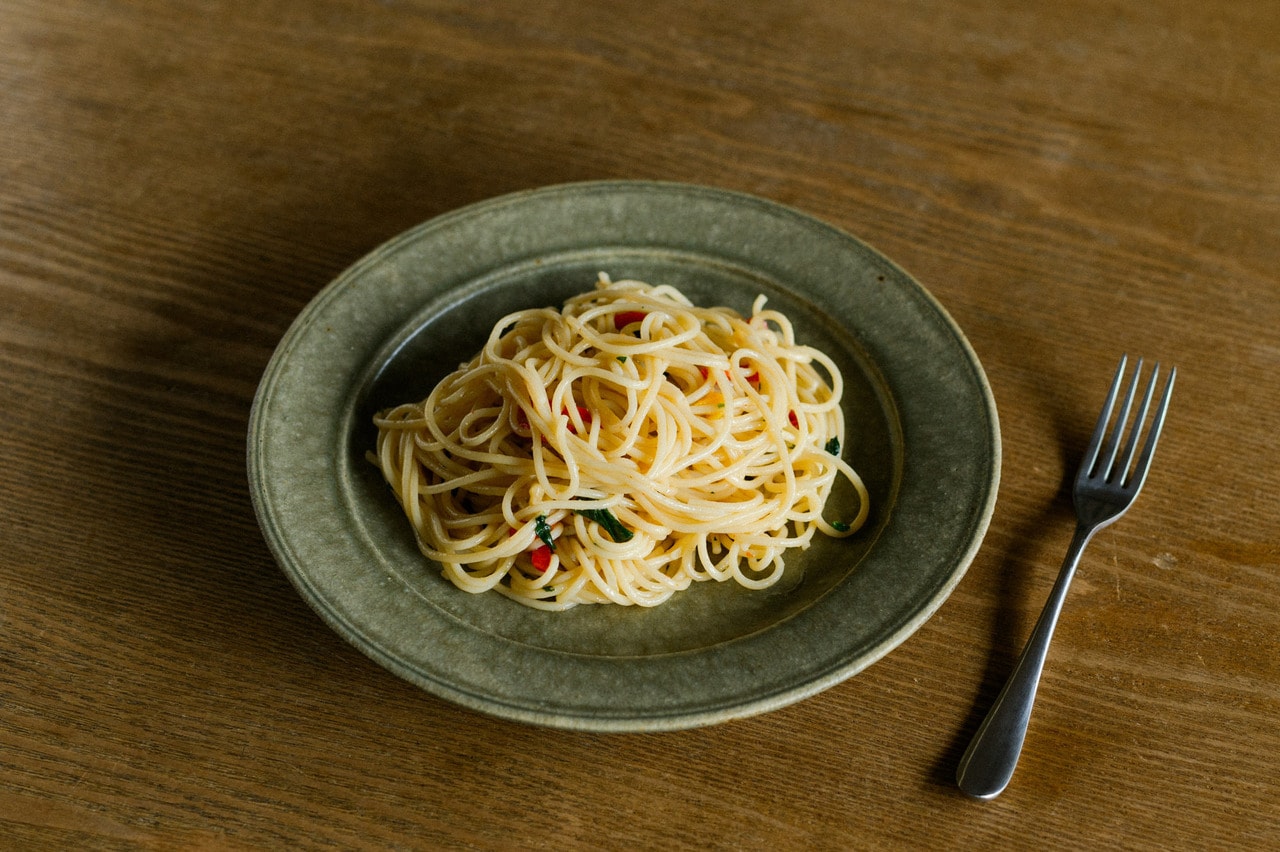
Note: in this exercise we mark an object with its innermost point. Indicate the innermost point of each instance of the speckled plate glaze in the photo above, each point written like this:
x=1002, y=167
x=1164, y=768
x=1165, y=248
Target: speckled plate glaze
x=922, y=431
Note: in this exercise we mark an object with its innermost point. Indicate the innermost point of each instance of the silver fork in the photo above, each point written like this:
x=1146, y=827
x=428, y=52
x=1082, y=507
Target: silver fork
x=1106, y=486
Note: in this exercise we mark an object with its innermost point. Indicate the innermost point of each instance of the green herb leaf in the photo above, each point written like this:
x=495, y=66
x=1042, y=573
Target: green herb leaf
x=622, y=359
x=840, y=526
x=543, y=532
x=611, y=524
x=833, y=446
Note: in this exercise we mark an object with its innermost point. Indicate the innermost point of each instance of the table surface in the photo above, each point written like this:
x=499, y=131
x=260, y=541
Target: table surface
x=1071, y=180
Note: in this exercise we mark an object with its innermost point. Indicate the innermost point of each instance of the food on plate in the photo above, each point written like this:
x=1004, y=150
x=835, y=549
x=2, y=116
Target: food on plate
x=622, y=448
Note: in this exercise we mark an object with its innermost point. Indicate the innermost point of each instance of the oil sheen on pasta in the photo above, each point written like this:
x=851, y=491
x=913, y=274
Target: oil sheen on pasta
x=620, y=449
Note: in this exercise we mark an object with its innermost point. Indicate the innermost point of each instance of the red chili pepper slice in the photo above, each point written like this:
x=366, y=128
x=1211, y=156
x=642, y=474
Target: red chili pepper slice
x=754, y=378
x=795, y=421
x=622, y=319
x=541, y=557
x=583, y=413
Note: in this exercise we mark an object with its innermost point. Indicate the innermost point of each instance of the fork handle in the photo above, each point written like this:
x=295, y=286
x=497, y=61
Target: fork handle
x=987, y=765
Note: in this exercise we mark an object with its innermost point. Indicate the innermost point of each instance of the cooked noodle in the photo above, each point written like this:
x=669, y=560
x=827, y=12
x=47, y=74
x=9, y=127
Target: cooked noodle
x=620, y=449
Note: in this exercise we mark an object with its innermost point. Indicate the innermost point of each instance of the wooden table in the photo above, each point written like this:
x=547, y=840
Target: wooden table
x=1071, y=180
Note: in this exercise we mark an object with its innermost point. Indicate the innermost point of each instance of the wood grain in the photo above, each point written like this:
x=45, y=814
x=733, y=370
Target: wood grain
x=1071, y=180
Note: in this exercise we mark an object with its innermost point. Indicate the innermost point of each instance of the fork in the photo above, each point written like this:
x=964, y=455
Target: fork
x=1105, y=487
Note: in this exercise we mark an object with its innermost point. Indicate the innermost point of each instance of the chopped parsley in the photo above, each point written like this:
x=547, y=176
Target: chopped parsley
x=543, y=532
x=611, y=524
x=833, y=446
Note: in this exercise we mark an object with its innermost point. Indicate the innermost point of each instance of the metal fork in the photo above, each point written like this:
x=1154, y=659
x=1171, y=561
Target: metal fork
x=1106, y=486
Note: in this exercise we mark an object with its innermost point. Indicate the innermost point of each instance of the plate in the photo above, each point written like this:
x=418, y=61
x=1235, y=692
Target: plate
x=921, y=429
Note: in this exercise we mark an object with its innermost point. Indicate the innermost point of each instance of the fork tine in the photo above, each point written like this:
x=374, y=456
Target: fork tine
x=1095, y=442
x=1157, y=423
x=1117, y=430
x=1123, y=477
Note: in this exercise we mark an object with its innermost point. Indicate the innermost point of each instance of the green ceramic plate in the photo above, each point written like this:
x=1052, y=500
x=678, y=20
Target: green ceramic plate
x=922, y=431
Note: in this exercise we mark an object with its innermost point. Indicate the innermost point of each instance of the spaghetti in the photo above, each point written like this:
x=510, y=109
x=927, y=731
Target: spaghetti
x=620, y=449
